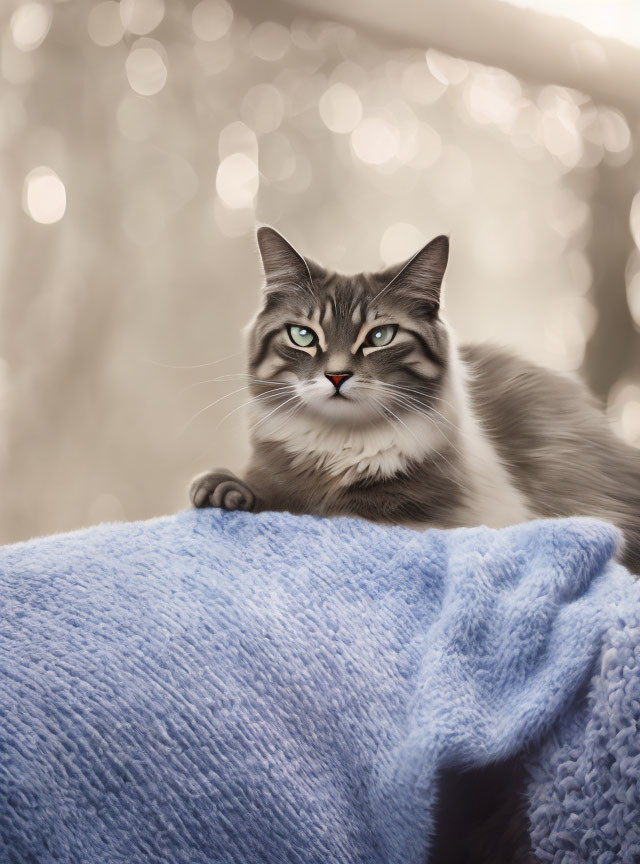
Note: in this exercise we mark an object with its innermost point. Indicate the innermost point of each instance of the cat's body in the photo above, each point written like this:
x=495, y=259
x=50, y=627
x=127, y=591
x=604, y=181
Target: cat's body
x=422, y=433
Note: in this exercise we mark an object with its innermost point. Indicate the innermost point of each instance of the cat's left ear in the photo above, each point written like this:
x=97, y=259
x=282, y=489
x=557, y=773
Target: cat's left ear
x=419, y=280
x=283, y=265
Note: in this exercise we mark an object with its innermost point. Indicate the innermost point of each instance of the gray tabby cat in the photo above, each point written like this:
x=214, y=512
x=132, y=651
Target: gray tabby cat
x=366, y=406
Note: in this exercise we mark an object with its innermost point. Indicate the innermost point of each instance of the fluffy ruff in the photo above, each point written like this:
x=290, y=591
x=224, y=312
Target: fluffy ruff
x=231, y=687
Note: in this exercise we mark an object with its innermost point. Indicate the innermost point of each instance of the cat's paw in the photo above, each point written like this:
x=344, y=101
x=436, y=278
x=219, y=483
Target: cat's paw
x=221, y=488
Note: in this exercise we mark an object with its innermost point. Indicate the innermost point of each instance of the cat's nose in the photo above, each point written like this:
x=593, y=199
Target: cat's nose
x=338, y=378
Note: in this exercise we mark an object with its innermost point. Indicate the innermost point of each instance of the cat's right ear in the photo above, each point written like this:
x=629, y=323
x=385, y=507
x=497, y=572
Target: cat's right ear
x=283, y=266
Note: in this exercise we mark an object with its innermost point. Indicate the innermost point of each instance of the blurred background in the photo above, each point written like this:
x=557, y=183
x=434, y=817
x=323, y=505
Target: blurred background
x=140, y=140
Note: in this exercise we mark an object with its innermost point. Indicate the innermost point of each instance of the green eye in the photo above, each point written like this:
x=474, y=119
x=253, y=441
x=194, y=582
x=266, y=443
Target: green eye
x=380, y=336
x=304, y=337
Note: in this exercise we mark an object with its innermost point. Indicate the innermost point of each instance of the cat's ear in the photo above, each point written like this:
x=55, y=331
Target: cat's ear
x=283, y=266
x=419, y=279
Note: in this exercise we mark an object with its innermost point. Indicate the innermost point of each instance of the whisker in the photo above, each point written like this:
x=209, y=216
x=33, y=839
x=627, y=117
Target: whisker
x=264, y=419
x=244, y=405
x=426, y=399
x=210, y=405
x=449, y=442
x=252, y=378
x=288, y=416
x=385, y=408
x=196, y=366
x=402, y=400
x=418, y=405
x=389, y=283
x=421, y=393
x=248, y=402
x=216, y=401
x=484, y=425
x=413, y=404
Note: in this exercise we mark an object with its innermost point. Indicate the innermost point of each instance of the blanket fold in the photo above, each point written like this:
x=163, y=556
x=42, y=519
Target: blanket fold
x=217, y=687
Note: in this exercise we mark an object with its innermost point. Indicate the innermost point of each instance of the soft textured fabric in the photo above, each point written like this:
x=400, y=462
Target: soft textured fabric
x=584, y=793
x=217, y=687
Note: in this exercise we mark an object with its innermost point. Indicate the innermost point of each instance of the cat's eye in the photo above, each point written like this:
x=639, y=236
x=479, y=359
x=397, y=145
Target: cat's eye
x=303, y=337
x=381, y=336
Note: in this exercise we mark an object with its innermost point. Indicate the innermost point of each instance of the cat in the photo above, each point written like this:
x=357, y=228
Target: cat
x=365, y=405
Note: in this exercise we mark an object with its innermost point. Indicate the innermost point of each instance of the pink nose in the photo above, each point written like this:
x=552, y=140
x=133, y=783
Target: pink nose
x=337, y=378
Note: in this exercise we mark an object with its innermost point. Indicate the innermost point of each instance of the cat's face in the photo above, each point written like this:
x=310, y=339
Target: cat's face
x=347, y=350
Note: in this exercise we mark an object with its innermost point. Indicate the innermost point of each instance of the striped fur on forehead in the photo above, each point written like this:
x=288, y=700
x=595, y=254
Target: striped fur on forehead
x=341, y=297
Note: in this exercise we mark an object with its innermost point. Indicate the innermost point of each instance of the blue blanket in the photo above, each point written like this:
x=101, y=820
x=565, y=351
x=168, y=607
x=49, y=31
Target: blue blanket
x=217, y=687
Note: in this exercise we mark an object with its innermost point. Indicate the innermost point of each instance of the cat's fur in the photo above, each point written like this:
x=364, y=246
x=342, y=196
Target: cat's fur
x=423, y=433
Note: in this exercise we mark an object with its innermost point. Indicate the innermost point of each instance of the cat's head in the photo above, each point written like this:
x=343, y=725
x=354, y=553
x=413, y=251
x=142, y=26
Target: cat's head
x=351, y=351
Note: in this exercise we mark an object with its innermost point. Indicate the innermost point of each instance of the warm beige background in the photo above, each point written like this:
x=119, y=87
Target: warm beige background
x=139, y=142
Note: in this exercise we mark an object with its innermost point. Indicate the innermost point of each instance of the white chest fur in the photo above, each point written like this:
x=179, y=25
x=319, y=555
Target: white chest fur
x=348, y=455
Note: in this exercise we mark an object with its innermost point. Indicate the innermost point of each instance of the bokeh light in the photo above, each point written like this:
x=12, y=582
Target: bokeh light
x=614, y=129
x=141, y=16
x=211, y=19
x=44, y=195
x=623, y=408
x=492, y=96
x=374, y=141
x=237, y=181
x=340, y=108
x=237, y=137
x=446, y=69
x=30, y=24
x=105, y=24
x=270, y=41
x=560, y=118
x=146, y=69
